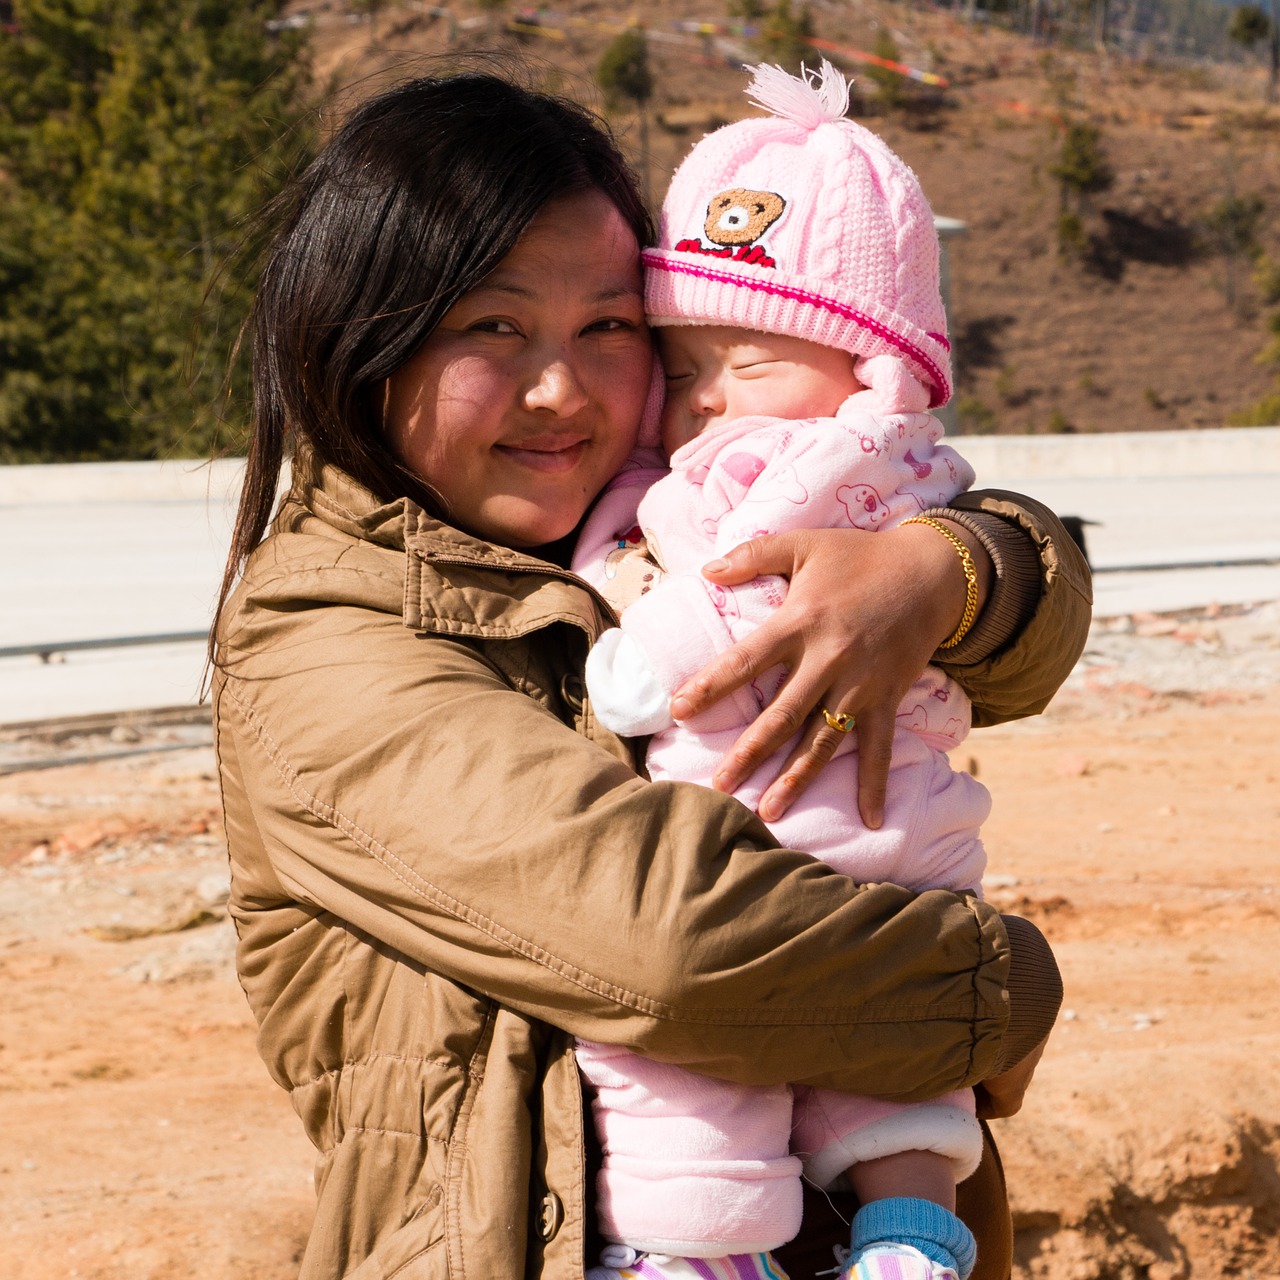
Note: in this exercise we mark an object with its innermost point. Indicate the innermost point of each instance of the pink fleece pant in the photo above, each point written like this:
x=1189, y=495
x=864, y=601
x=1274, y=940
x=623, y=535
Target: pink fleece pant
x=702, y=1168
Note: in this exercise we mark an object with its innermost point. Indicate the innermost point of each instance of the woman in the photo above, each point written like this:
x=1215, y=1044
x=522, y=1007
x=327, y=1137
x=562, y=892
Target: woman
x=442, y=868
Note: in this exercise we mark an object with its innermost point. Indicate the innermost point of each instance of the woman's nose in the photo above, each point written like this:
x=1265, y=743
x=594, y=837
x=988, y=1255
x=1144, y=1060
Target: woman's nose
x=557, y=388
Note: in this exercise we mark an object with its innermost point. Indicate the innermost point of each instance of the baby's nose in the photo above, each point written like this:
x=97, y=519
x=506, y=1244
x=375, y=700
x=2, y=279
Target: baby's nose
x=707, y=395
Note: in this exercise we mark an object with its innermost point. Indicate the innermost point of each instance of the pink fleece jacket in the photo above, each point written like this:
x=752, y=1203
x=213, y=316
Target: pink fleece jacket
x=696, y=1166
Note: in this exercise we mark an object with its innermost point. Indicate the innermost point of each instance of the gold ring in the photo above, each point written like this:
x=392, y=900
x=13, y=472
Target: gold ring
x=840, y=721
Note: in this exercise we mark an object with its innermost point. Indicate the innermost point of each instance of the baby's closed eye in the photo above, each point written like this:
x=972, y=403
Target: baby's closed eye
x=754, y=368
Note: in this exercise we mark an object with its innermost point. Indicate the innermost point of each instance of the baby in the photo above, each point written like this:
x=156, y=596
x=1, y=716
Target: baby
x=796, y=301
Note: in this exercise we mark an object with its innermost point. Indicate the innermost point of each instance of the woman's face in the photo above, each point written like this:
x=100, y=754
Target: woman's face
x=526, y=398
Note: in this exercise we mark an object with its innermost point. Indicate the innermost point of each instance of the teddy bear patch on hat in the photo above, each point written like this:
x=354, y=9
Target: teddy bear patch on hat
x=735, y=220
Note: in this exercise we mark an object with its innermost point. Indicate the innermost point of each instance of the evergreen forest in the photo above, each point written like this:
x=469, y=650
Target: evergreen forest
x=137, y=140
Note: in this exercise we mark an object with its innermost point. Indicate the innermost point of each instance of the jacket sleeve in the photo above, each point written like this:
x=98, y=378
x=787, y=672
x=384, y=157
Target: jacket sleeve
x=400, y=783
x=1034, y=627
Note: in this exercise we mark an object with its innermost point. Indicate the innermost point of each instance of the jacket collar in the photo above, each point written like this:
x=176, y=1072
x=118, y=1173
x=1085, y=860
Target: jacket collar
x=455, y=583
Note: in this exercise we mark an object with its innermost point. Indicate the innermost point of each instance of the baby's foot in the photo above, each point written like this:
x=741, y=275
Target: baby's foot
x=619, y=1262
x=895, y=1262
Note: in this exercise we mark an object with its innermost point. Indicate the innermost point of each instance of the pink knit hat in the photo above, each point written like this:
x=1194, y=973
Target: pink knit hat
x=805, y=223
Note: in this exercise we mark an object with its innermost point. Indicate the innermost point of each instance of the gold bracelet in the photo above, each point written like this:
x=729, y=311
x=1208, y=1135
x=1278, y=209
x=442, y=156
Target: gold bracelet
x=970, y=579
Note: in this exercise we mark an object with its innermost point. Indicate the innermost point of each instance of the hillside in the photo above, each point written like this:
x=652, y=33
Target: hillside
x=1155, y=327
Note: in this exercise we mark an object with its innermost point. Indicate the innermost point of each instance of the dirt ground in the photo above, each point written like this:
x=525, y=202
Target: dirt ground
x=1136, y=822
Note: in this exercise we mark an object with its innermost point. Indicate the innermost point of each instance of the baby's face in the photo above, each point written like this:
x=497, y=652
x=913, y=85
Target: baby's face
x=716, y=373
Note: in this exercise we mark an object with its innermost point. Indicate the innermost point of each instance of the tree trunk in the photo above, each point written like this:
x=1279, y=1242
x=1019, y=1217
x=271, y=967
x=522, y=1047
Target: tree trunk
x=644, y=152
x=1275, y=51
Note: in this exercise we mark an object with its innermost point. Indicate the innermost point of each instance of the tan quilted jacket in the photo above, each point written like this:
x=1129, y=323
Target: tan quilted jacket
x=443, y=869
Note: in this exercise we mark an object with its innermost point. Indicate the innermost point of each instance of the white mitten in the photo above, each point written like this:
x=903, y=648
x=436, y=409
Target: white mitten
x=626, y=694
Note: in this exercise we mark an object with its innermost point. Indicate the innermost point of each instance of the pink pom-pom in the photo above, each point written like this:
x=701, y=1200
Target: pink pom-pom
x=810, y=99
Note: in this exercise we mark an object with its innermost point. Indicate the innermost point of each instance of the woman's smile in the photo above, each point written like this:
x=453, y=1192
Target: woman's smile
x=546, y=453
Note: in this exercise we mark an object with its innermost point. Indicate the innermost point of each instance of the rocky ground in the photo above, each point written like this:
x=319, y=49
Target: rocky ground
x=1136, y=822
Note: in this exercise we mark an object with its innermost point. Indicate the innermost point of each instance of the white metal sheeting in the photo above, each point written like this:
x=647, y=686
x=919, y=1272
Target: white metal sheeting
x=123, y=549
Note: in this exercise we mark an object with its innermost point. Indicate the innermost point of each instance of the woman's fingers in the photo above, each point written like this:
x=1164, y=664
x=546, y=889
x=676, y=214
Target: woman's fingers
x=860, y=621
x=813, y=666
x=875, y=749
x=819, y=742
x=771, y=645
x=775, y=726
x=769, y=553
x=780, y=640
x=720, y=677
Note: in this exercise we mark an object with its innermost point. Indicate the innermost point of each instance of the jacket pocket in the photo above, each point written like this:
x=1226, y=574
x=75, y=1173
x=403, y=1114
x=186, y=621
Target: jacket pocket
x=415, y=1251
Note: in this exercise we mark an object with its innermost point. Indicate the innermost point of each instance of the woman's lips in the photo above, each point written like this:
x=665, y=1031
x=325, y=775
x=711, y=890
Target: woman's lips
x=552, y=453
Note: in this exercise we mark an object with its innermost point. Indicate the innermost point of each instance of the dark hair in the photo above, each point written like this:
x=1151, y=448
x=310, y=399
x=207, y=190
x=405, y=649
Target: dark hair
x=417, y=198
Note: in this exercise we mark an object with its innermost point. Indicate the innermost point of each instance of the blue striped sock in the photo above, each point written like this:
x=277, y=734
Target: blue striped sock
x=926, y=1226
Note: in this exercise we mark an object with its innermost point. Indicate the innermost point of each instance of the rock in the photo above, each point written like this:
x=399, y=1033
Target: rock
x=211, y=952
x=80, y=837
x=214, y=889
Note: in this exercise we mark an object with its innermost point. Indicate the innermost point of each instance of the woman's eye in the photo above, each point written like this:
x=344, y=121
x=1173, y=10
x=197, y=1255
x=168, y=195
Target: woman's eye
x=610, y=324
x=492, y=326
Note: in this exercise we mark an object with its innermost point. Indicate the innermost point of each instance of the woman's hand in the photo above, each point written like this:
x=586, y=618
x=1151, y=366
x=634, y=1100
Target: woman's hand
x=1001, y=1096
x=863, y=616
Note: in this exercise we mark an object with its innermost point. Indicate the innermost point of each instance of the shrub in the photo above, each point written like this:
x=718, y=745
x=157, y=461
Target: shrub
x=974, y=416
x=623, y=74
x=1082, y=166
x=890, y=86
x=1233, y=224
x=1266, y=275
x=1249, y=25
x=784, y=35
x=1072, y=240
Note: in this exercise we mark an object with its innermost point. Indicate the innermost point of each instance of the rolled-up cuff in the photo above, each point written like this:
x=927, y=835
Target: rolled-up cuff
x=1016, y=584
x=1035, y=991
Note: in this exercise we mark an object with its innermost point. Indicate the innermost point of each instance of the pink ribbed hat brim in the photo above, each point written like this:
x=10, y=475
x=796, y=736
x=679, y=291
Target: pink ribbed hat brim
x=682, y=289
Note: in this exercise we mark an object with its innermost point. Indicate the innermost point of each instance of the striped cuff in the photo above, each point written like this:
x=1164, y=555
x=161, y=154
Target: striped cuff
x=1016, y=584
x=1035, y=991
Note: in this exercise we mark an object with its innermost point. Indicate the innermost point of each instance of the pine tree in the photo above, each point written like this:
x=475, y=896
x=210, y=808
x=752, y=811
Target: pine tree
x=626, y=80
x=136, y=138
x=784, y=35
x=890, y=86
